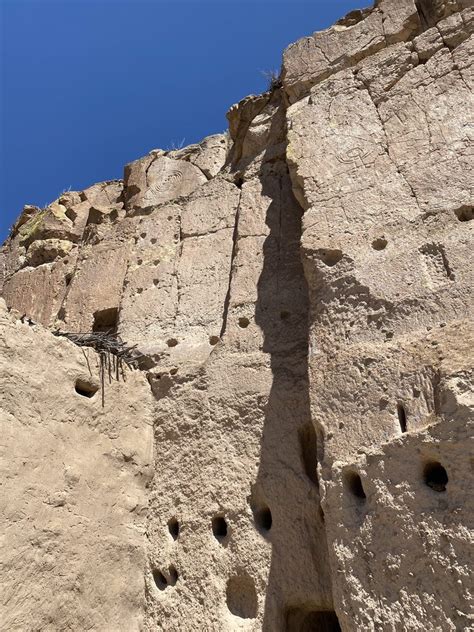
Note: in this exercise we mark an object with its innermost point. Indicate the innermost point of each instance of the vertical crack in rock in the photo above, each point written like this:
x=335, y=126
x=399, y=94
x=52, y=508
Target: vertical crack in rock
x=235, y=233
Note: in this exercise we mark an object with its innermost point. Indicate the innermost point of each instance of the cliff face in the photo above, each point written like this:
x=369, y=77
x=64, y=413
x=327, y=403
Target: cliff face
x=293, y=451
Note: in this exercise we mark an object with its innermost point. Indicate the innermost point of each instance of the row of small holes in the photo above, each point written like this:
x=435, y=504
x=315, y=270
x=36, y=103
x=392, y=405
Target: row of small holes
x=434, y=476
x=172, y=342
x=263, y=520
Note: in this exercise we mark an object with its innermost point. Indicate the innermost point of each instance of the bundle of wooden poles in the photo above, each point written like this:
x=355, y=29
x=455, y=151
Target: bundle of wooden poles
x=113, y=352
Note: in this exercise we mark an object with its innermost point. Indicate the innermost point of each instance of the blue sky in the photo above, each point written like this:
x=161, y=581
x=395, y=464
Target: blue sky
x=89, y=85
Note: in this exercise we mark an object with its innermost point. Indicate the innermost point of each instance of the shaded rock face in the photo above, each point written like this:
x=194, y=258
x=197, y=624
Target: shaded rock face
x=293, y=454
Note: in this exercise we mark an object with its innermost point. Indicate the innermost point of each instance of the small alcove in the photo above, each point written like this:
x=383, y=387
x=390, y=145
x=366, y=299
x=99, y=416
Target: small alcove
x=219, y=528
x=435, y=476
x=353, y=483
x=86, y=388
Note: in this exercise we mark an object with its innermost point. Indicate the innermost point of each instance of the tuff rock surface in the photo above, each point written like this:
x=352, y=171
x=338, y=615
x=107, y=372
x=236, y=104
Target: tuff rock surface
x=293, y=452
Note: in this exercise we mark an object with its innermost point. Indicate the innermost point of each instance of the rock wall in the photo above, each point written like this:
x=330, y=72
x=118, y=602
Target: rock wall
x=74, y=486
x=300, y=289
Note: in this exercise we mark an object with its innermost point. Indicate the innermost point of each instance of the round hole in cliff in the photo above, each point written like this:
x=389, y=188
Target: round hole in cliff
x=155, y=281
x=242, y=597
x=153, y=240
x=331, y=257
x=402, y=417
x=173, y=528
x=163, y=580
x=86, y=388
x=244, y=322
x=263, y=518
x=143, y=235
x=284, y=314
x=160, y=580
x=171, y=342
x=465, y=213
x=173, y=371
x=156, y=262
x=435, y=476
x=353, y=483
x=139, y=262
x=379, y=244
x=213, y=340
x=139, y=290
x=219, y=527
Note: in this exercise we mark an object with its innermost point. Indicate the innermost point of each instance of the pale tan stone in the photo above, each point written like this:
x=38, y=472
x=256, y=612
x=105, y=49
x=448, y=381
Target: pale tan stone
x=301, y=290
x=73, y=502
x=157, y=179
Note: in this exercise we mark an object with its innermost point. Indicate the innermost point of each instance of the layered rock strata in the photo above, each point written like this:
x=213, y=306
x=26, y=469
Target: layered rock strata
x=301, y=290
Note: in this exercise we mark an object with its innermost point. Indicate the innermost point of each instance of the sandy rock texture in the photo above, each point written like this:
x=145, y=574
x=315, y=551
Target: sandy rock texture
x=73, y=494
x=293, y=453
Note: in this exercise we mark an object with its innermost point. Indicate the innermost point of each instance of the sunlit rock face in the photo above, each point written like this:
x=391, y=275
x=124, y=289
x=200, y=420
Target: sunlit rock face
x=291, y=449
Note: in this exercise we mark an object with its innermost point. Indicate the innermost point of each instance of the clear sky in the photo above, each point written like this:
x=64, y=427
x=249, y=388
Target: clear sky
x=90, y=85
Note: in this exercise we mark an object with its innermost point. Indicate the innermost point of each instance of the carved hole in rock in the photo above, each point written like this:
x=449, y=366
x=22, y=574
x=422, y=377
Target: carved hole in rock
x=263, y=518
x=155, y=281
x=171, y=342
x=139, y=290
x=308, y=444
x=173, y=371
x=105, y=320
x=331, y=257
x=435, y=476
x=284, y=314
x=353, y=483
x=379, y=244
x=173, y=528
x=465, y=213
x=244, y=322
x=306, y=620
x=86, y=388
x=139, y=262
x=242, y=597
x=143, y=235
x=213, y=340
x=402, y=417
x=162, y=581
x=153, y=240
x=219, y=528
